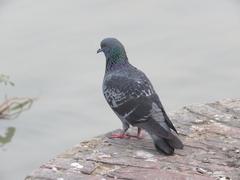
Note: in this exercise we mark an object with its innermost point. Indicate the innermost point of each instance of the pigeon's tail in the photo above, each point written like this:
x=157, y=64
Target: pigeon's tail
x=175, y=142
x=165, y=145
x=162, y=145
x=164, y=140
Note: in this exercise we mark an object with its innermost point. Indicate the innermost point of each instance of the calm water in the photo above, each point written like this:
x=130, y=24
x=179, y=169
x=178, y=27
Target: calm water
x=189, y=49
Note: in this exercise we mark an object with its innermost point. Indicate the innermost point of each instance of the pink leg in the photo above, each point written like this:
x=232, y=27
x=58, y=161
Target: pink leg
x=138, y=136
x=139, y=133
x=127, y=136
x=120, y=136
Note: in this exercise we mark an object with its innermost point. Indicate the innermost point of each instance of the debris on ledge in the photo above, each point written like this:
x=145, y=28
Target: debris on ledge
x=211, y=137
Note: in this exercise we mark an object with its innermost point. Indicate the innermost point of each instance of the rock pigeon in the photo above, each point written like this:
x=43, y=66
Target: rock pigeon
x=132, y=97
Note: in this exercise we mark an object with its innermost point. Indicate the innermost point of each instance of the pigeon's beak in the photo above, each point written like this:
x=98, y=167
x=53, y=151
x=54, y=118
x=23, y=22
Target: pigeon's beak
x=100, y=50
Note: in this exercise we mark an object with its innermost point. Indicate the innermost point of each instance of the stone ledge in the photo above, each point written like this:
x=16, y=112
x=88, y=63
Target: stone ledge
x=211, y=135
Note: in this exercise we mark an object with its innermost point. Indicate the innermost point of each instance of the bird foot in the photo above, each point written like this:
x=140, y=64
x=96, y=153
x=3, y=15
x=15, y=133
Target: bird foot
x=125, y=136
x=120, y=136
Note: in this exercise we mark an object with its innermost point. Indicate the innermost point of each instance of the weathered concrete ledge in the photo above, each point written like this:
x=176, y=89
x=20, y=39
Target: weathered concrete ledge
x=211, y=135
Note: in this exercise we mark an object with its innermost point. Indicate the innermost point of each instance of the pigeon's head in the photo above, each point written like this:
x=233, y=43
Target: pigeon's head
x=113, y=49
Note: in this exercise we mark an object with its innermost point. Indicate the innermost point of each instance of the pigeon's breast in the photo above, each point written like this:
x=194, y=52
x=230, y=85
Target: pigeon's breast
x=113, y=89
x=114, y=96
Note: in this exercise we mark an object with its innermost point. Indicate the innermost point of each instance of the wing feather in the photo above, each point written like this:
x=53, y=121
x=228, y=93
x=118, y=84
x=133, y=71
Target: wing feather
x=134, y=99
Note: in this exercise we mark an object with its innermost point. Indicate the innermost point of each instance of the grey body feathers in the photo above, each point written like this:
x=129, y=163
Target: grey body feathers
x=131, y=96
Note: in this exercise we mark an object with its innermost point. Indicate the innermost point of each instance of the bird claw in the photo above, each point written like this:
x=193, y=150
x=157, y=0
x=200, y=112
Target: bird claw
x=125, y=136
x=120, y=136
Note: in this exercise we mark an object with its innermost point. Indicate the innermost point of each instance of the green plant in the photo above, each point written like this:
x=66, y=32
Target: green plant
x=5, y=80
x=12, y=107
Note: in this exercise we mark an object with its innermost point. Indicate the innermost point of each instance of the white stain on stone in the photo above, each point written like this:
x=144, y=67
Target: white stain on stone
x=144, y=155
x=151, y=160
x=102, y=155
x=77, y=165
x=54, y=169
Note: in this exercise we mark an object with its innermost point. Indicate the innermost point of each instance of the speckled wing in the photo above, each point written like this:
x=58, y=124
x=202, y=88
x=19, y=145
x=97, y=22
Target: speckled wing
x=135, y=100
x=120, y=89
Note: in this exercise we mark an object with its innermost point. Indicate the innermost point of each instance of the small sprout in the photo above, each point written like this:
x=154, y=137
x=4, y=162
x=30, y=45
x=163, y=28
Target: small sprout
x=5, y=80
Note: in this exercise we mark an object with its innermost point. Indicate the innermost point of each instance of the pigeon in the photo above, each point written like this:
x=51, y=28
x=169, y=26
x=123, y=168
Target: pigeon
x=132, y=97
